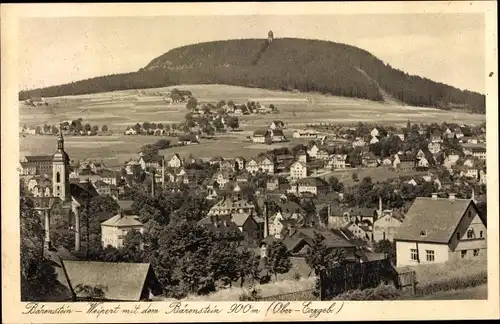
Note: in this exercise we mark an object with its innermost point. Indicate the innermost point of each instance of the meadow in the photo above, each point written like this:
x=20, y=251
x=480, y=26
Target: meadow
x=120, y=109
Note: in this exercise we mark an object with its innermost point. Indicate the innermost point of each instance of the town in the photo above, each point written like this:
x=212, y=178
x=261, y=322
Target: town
x=368, y=195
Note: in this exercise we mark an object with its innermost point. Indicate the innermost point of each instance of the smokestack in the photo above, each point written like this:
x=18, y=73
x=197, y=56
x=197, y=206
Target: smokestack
x=473, y=197
x=434, y=195
x=163, y=172
x=77, y=229
x=47, y=244
x=380, y=206
x=266, y=220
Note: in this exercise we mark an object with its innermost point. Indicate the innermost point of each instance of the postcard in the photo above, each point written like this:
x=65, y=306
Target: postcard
x=180, y=162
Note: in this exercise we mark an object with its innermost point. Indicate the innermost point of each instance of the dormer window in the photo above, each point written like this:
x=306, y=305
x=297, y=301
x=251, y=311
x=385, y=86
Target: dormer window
x=423, y=233
x=470, y=233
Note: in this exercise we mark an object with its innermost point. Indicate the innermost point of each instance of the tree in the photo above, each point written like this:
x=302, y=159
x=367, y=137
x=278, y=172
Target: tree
x=278, y=259
x=217, y=123
x=233, y=122
x=87, y=127
x=385, y=246
x=95, y=129
x=104, y=128
x=192, y=103
x=354, y=176
x=37, y=275
x=38, y=130
x=225, y=263
x=54, y=130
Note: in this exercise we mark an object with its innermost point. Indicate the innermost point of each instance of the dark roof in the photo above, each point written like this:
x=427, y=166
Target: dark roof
x=312, y=182
x=62, y=290
x=125, y=205
x=278, y=132
x=38, y=158
x=225, y=225
x=121, y=281
x=185, y=138
x=277, y=122
x=406, y=158
x=82, y=192
x=436, y=217
x=260, y=132
x=332, y=240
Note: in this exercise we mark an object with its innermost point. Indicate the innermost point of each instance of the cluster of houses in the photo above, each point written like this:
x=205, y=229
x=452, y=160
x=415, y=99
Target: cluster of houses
x=433, y=230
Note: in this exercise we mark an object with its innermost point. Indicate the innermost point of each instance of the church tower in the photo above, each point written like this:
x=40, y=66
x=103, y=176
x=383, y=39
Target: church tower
x=270, y=37
x=60, y=170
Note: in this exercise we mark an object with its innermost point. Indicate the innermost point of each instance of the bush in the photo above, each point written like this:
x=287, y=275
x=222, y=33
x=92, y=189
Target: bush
x=252, y=294
x=381, y=292
x=454, y=283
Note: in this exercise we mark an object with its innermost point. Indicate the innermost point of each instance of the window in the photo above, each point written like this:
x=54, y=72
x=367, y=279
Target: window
x=470, y=233
x=463, y=253
x=481, y=234
x=413, y=254
x=58, y=177
x=422, y=233
x=430, y=255
x=458, y=235
x=476, y=252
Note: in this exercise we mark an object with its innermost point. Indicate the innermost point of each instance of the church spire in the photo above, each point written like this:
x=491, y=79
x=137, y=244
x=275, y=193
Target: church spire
x=60, y=140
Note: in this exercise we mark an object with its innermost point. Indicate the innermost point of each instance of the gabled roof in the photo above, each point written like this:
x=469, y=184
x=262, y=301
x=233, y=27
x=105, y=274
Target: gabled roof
x=240, y=218
x=125, y=205
x=278, y=132
x=312, y=182
x=122, y=221
x=436, y=217
x=120, y=280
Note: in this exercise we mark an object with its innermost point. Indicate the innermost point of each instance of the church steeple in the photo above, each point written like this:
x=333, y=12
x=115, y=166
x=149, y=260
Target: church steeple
x=60, y=170
x=60, y=140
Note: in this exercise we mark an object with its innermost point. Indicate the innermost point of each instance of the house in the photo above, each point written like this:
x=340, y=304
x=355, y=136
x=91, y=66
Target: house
x=189, y=139
x=434, y=147
x=277, y=124
x=229, y=205
x=360, y=230
x=306, y=133
x=436, y=137
x=313, y=150
x=266, y=165
x=114, y=230
x=422, y=164
x=472, y=172
x=479, y=152
x=451, y=160
x=109, y=177
x=469, y=140
x=482, y=176
x=222, y=226
x=250, y=225
x=27, y=169
x=277, y=135
x=298, y=170
x=252, y=166
x=369, y=160
x=359, y=142
x=458, y=133
x=386, y=226
x=243, y=177
x=325, y=152
x=41, y=163
x=216, y=160
x=150, y=161
x=374, y=140
x=275, y=183
x=468, y=163
x=375, y=132
x=404, y=163
x=115, y=281
x=239, y=163
x=401, y=136
x=436, y=230
x=130, y=131
x=260, y=135
x=339, y=161
x=175, y=161
x=222, y=177
x=315, y=186
x=102, y=188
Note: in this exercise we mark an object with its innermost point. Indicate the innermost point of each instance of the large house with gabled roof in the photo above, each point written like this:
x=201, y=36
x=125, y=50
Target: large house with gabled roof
x=436, y=230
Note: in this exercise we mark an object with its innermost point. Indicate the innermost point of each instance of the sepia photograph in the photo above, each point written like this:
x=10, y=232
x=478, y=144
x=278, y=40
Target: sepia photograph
x=252, y=158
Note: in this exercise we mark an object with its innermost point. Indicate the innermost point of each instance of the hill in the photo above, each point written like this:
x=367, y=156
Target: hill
x=286, y=64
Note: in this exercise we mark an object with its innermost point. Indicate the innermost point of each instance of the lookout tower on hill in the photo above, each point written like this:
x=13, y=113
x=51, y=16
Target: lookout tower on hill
x=270, y=37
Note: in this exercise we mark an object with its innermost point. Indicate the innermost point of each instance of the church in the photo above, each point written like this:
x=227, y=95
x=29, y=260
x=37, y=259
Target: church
x=66, y=199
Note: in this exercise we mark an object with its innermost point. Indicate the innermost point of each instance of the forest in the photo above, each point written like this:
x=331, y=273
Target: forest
x=285, y=64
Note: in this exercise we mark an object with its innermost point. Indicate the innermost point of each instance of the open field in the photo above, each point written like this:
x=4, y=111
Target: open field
x=120, y=109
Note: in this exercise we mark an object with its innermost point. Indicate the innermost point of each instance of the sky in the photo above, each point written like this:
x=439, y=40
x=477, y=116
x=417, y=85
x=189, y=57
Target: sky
x=446, y=48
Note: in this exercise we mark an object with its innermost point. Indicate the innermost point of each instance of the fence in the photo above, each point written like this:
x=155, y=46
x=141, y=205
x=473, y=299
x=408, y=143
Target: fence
x=294, y=296
x=407, y=281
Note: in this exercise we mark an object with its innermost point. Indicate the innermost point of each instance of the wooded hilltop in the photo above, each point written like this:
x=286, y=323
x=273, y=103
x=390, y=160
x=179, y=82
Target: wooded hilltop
x=284, y=64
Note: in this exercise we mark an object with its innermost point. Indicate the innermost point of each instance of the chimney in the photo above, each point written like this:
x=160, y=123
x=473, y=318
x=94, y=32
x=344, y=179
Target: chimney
x=452, y=196
x=434, y=195
x=380, y=206
x=473, y=197
x=266, y=220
